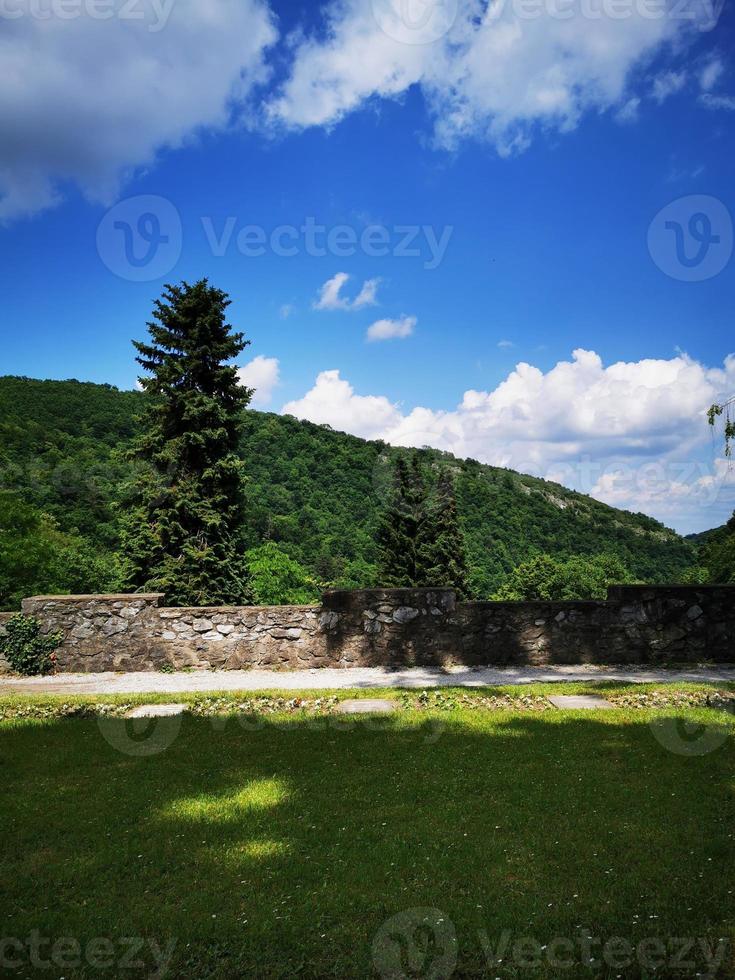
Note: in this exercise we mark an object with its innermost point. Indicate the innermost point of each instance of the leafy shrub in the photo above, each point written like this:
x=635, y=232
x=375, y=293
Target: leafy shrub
x=27, y=650
x=37, y=558
x=278, y=580
x=550, y=579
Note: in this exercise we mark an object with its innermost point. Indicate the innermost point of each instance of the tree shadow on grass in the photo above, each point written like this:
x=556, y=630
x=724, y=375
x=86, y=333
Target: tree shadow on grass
x=274, y=848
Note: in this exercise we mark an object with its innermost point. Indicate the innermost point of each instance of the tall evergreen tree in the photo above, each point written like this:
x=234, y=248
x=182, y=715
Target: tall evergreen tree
x=181, y=532
x=401, y=528
x=444, y=558
x=421, y=543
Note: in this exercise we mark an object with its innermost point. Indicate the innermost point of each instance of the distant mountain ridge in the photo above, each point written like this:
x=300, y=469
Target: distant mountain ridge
x=315, y=491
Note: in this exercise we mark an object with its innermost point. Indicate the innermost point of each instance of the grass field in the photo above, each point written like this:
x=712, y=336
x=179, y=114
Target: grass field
x=462, y=841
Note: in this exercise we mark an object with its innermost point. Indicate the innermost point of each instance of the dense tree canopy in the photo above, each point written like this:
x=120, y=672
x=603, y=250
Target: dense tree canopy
x=316, y=493
x=717, y=554
x=37, y=558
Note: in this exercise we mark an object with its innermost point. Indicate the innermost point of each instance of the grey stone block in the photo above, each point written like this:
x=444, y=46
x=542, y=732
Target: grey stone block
x=365, y=706
x=576, y=702
x=156, y=710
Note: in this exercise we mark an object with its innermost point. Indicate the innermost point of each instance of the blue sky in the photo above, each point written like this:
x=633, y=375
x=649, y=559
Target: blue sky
x=540, y=152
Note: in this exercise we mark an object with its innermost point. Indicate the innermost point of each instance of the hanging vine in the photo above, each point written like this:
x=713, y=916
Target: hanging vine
x=716, y=411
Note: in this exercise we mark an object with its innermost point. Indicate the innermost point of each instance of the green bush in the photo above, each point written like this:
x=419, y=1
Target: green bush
x=27, y=650
x=550, y=579
x=37, y=558
x=278, y=580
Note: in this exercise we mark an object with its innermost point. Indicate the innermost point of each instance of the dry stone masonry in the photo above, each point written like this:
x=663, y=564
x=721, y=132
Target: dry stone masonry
x=393, y=628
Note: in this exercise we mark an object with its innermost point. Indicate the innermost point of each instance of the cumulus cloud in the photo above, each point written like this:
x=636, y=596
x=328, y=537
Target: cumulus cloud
x=262, y=374
x=85, y=100
x=401, y=327
x=493, y=74
x=354, y=61
x=590, y=426
x=331, y=298
x=332, y=401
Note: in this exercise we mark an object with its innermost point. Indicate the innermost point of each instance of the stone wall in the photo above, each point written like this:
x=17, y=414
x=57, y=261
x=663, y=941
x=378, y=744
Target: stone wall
x=133, y=632
x=395, y=628
x=637, y=624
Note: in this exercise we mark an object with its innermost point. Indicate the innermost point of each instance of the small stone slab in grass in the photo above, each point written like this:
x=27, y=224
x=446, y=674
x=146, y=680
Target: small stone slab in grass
x=365, y=706
x=574, y=702
x=155, y=710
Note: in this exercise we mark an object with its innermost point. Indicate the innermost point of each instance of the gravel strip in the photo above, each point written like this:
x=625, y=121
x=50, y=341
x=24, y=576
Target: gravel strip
x=145, y=682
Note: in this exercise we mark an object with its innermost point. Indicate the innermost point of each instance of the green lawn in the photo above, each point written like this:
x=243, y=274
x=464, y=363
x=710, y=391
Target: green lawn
x=281, y=846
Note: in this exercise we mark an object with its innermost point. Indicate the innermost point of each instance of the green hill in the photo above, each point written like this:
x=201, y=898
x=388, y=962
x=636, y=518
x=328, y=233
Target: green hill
x=315, y=491
x=703, y=537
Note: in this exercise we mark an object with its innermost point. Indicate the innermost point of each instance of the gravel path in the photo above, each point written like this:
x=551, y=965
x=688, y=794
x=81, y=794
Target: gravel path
x=358, y=677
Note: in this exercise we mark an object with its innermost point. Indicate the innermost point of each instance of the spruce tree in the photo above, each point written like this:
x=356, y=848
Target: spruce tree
x=181, y=531
x=443, y=559
x=421, y=545
x=401, y=527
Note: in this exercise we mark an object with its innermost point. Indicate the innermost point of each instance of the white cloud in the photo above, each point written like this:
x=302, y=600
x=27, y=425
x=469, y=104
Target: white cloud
x=711, y=101
x=356, y=60
x=402, y=327
x=505, y=344
x=682, y=493
x=85, y=100
x=331, y=298
x=710, y=74
x=628, y=112
x=262, y=374
x=493, y=75
x=329, y=294
x=367, y=295
x=668, y=83
x=584, y=424
x=285, y=311
x=332, y=401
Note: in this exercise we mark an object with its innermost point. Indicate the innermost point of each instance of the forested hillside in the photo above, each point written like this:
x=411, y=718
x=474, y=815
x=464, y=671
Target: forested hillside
x=317, y=493
x=702, y=537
